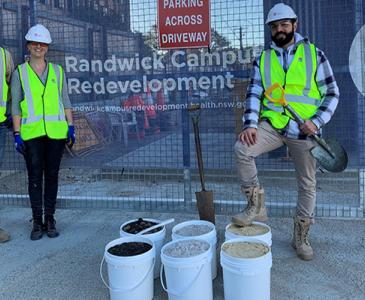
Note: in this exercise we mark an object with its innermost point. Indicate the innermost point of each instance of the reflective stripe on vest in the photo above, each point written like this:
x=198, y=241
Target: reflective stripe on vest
x=3, y=86
x=42, y=109
x=299, y=83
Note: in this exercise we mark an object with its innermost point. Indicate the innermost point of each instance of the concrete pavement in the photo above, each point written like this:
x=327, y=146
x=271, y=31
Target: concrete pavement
x=68, y=267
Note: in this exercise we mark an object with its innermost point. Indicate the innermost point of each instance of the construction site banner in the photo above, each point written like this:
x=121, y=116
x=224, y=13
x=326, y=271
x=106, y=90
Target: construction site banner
x=183, y=23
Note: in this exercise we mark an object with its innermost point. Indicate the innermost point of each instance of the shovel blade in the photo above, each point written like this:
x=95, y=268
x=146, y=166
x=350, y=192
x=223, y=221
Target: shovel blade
x=335, y=164
x=205, y=205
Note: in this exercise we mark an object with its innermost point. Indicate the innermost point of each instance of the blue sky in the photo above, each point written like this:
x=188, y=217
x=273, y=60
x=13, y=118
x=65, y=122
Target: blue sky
x=227, y=16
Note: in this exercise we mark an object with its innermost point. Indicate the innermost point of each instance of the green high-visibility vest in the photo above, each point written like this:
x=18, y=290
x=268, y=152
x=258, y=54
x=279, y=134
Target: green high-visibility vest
x=3, y=86
x=301, y=90
x=42, y=111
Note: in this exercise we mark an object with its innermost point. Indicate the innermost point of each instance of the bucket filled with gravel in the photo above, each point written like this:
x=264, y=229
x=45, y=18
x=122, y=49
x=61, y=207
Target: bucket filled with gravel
x=186, y=264
x=201, y=230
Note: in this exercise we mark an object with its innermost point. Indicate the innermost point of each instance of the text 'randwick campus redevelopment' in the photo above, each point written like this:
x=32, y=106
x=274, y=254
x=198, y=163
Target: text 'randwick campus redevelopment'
x=117, y=67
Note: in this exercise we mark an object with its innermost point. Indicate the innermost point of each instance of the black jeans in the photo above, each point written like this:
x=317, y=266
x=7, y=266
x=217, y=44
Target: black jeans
x=43, y=157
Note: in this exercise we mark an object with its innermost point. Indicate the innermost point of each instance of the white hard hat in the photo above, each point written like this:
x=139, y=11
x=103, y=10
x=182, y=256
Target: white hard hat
x=280, y=11
x=38, y=33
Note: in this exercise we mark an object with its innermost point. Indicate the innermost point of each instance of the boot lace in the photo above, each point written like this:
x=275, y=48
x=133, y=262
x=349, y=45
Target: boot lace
x=305, y=237
x=302, y=236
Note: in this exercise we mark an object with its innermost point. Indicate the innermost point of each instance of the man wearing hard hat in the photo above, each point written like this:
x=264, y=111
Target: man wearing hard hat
x=6, y=69
x=306, y=75
x=42, y=123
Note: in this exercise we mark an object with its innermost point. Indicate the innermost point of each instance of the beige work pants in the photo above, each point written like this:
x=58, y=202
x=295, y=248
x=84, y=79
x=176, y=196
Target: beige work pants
x=305, y=165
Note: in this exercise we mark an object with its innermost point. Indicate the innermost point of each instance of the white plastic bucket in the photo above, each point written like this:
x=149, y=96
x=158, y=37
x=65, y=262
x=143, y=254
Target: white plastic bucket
x=157, y=238
x=130, y=277
x=210, y=237
x=246, y=278
x=266, y=237
x=187, y=278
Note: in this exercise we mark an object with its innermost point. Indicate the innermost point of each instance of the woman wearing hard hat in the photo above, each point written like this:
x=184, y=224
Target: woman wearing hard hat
x=6, y=69
x=305, y=73
x=42, y=123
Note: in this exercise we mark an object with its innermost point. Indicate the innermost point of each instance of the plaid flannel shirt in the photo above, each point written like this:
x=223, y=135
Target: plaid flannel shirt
x=324, y=77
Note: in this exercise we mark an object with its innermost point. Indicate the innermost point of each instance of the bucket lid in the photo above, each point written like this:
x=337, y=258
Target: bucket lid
x=185, y=248
x=245, y=249
x=251, y=230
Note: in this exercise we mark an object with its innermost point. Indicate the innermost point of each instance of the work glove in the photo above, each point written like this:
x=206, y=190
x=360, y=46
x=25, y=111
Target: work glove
x=19, y=143
x=71, y=137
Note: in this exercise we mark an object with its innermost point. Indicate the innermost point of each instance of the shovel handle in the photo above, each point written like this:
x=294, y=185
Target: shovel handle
x=320, y=141
x=199, y=154
x=281, y=100
x=295, y=115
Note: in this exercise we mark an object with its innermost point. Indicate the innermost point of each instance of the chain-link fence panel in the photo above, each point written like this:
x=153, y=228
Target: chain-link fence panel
x=135, y=142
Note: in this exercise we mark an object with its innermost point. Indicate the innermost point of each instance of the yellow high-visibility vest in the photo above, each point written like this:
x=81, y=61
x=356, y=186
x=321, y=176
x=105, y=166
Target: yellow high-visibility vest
x=3, y=86
x=42, y=111
x=299, y=83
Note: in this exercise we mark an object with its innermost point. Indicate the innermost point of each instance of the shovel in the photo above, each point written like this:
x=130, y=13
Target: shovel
x=330, y=155
x=204, y=198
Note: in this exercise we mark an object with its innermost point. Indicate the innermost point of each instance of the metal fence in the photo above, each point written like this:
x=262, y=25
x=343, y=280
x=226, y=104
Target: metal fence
x=135, y=145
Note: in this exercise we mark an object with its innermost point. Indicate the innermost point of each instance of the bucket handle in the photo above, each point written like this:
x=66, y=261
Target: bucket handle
x=240, y=272
x=178, y=294
x=124, y=289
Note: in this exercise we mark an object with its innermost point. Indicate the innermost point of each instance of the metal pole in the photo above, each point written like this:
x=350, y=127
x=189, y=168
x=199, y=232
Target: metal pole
x=186, y=140
x=32, y=12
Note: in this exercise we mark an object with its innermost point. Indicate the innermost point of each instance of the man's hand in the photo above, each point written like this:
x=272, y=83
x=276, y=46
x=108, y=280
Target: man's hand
x=308, y=128
x=248, y=136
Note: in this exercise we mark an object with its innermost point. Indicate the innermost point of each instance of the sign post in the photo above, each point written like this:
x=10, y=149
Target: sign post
x=183, y=23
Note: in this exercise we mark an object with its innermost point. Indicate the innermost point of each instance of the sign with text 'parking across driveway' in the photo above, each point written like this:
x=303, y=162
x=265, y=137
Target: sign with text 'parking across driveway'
x=183, y=23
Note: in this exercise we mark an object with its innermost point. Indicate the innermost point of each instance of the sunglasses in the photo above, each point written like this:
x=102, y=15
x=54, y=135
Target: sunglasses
x=43, y=45
x=276, y=25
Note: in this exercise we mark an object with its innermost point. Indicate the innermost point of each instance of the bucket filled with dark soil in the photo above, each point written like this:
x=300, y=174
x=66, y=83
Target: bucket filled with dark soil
x=136, y=226
x=157, y=236
x=130, y=263
x=129, y=249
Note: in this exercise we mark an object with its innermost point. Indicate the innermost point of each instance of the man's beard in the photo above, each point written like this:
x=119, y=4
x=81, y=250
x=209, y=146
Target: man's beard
x=280, y=42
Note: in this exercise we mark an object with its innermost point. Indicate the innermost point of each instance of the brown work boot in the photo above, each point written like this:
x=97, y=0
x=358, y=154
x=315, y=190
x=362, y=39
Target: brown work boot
x=300, y=240
x=4, y=236
x=255, y=209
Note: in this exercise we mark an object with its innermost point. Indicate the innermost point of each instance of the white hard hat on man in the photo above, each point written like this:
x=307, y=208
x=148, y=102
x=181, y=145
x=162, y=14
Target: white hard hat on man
x=280, y=11
x=38, y=33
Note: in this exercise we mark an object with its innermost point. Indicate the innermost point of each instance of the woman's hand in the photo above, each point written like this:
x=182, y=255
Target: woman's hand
x=71, y=137
x=19, y=143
